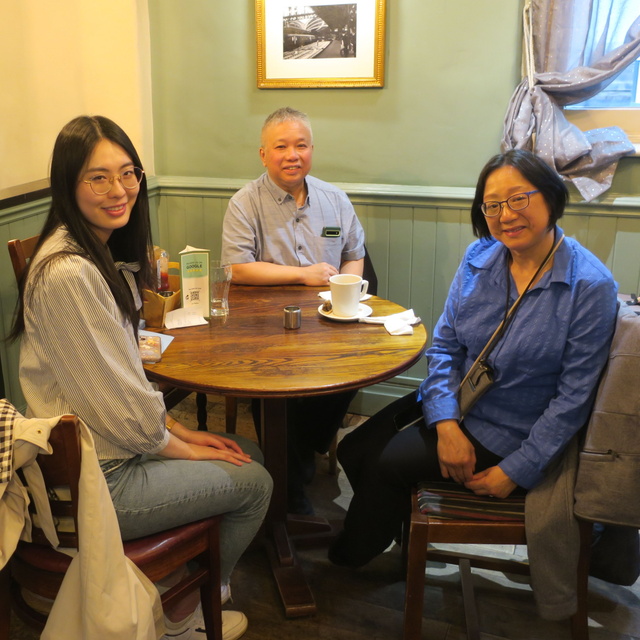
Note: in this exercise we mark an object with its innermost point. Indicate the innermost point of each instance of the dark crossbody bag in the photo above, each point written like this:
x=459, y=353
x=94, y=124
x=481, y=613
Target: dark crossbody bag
x=479, y=379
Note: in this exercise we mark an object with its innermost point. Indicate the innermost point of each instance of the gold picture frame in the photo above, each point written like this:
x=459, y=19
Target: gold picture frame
x=323, y=44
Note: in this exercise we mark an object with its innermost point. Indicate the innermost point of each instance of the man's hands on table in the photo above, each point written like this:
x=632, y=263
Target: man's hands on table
x=267, y=273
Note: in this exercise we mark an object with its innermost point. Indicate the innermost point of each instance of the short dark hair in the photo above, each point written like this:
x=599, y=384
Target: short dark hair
x=536, y=171
x=132, y=243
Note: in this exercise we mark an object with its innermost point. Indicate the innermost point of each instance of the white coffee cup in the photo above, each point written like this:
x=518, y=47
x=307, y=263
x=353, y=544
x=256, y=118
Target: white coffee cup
x=346, y=292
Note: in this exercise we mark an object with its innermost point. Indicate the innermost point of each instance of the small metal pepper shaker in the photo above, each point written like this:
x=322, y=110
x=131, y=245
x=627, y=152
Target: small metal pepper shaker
x=292, y=317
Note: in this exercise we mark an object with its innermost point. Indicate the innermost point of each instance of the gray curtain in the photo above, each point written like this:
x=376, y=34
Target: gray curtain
x=572, y=50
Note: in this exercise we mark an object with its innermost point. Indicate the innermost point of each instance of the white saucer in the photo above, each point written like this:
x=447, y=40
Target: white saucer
x=364, y=311
x=326, y=295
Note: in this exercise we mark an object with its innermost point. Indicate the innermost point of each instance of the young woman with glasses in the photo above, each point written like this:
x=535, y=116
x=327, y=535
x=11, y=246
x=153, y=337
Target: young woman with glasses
x=77, y=317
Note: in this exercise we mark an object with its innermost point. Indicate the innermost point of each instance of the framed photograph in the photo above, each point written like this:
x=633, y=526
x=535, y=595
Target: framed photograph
x=329, y=43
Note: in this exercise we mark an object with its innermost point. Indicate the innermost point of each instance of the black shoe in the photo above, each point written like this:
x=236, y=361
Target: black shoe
x=338, y=555
x=308, y=465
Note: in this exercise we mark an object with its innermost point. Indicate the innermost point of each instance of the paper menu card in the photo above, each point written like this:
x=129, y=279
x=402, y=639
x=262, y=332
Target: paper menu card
x=194, y=275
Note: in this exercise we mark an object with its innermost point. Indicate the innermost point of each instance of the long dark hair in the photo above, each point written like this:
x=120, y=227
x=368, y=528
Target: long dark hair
x=131, y=243
x=536, y=171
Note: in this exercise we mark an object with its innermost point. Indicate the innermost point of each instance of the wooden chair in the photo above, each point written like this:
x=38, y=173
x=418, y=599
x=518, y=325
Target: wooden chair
x=446, y=513
x=39, y=569
x=5, y=603
x=21, y=252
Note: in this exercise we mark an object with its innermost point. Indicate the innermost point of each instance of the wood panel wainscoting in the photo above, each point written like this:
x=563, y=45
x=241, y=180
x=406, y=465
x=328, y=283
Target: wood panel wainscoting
x=416, y=237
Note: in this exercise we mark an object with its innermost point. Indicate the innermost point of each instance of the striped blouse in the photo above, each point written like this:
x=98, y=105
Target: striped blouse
x=79, y=355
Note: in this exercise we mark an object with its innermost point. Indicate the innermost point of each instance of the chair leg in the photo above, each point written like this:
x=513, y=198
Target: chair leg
x=201, y=411
x=469, y=600
x=580, y=619
x=333, y=456
x=414, y=594
x=231, y=410
x=210, y=591
x=5, y=603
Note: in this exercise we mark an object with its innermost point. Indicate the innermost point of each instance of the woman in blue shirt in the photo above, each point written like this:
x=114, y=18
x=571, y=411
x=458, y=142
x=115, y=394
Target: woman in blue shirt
x=546, y=364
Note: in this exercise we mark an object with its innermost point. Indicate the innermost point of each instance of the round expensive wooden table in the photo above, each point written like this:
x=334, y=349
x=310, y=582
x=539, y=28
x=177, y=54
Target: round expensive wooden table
x=250, y=354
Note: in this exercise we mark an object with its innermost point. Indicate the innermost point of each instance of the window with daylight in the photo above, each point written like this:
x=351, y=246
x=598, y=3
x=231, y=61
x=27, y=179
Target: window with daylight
x=574, y=51
x=618, y=103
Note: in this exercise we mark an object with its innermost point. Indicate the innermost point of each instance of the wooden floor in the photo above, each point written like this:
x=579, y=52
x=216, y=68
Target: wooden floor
x=367, y=604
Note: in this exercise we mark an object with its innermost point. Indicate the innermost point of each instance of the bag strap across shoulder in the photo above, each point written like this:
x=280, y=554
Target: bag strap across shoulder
x=498, y=333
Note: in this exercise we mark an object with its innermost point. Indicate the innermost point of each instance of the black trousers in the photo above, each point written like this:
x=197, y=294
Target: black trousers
x=382, y=464
x=312, y=424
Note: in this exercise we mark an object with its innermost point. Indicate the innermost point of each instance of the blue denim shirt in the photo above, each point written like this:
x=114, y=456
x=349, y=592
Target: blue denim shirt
x=547, y=363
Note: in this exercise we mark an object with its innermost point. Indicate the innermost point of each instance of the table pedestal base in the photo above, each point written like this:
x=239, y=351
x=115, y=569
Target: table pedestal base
x=306, y=532
x=294, y=591
x=310, y=531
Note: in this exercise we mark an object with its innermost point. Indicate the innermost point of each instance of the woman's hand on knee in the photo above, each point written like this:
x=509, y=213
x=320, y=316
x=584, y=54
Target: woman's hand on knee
x=206, y=446
x=456, y=454
x=223, y=448
x=207, y=439
x=219, y=451
x=492, y=482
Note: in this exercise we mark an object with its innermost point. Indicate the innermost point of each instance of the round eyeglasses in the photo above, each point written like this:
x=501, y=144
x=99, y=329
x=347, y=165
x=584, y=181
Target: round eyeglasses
x=101, y=185
x=516, y=202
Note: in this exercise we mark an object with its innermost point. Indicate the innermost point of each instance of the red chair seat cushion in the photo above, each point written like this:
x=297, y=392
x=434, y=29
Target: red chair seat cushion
x=450, y=501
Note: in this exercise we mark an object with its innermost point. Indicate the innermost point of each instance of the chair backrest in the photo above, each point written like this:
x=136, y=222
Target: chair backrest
x=21, y=252
x=369, y=274
x=61, y=472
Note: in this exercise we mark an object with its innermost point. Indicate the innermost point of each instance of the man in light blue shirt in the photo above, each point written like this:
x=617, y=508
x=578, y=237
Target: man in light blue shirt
x=287, y=227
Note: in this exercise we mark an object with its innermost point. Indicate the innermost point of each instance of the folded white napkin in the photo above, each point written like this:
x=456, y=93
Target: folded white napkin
x=183, y=318
x=397, y=324
x=326, y=295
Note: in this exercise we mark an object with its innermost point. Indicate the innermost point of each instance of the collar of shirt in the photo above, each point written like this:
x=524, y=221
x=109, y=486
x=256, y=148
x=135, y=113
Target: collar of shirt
x=280, y=195
x=494, y=260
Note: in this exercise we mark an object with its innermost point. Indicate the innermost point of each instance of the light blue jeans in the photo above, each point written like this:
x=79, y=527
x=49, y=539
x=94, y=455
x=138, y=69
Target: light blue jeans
x=152, y=494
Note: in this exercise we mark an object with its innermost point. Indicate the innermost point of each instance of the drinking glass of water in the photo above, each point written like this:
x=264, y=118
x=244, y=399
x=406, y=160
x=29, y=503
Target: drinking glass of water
x=220, y=275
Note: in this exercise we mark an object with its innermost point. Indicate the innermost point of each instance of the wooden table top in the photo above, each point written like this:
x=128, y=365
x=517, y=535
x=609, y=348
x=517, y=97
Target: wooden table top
x=251, y=354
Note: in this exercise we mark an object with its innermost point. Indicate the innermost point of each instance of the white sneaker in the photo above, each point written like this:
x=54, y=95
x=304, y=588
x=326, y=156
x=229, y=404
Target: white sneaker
x=234, y=624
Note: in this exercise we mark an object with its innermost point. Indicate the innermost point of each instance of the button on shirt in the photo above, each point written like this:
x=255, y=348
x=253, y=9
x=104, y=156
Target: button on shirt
x=546, y=365
x=264, y=224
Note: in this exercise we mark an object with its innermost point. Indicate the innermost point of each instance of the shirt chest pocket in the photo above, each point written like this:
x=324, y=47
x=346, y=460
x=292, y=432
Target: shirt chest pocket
x=330, y=250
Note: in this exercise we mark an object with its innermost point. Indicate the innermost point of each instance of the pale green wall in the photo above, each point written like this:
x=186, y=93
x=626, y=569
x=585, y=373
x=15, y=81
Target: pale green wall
x=450, y=67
